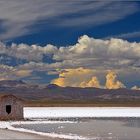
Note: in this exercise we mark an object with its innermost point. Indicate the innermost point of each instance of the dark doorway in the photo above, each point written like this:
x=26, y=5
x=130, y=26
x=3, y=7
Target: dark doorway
x=8, y=109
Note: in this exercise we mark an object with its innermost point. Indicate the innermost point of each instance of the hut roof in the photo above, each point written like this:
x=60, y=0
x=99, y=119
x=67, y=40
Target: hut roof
x=9, y=95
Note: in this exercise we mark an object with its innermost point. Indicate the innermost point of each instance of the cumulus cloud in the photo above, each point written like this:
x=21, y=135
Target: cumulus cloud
x=12, y=73
x=73, y=77
x=82, y=77
x=4, y=70
x=112, y=82
x=26, y=52
x=135, y=88
x=98, y=55
x=88, y=52
x=105, y=51
x=93, y=82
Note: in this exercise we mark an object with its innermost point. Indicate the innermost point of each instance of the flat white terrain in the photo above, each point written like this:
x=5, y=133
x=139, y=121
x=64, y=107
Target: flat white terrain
x=71, y=112
x=40, y=113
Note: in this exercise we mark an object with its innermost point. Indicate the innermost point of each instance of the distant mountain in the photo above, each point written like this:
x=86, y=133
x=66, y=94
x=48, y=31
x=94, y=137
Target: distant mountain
x=52, y=86
x=11, y=83
x=54, y=92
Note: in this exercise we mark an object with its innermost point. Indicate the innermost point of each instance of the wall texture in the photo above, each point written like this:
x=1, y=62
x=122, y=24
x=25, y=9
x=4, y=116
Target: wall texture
x=16, y=108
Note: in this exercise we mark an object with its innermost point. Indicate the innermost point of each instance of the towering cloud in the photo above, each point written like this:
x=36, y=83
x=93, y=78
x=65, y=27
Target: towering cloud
x=112, y=82
x=81, y=77
x=94, y=82
x=78, y=77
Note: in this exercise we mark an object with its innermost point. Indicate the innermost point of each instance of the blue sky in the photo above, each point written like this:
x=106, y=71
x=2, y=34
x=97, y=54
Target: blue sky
x=42, y=30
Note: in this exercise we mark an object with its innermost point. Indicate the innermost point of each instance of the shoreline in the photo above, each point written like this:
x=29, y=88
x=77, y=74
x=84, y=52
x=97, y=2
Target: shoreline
x=16, y=135
x=50, y=115
x=8, y=131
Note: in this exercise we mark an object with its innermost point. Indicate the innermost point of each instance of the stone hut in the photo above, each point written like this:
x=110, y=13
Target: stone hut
x=11, y=108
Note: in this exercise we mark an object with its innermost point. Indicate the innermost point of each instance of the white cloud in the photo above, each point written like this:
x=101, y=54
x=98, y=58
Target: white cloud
x=135, y=88
x=128, y=35
x=11, y=73
x=29, y=53
x=90, y=53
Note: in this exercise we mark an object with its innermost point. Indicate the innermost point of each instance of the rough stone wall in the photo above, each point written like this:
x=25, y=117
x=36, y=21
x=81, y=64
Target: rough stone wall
x=16, y=108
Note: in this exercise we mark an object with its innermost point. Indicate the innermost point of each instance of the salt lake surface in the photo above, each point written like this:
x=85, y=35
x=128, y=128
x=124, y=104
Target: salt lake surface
x=91, y=128
x=80, y=123
x=64, y=112
x=116, y=123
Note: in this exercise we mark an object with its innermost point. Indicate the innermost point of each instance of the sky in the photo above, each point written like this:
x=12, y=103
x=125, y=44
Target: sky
x=71, y=43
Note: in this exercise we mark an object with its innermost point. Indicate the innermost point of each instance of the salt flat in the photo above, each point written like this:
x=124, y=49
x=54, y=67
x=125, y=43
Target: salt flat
x=40, y=113
x=71, y=112
x=8, y=131
x=8, y=134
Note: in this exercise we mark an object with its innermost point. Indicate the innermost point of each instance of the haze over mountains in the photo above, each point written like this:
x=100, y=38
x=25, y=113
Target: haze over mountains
x=54, y=92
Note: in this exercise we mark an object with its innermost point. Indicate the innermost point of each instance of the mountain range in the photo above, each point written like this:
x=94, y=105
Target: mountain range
x=54, y=92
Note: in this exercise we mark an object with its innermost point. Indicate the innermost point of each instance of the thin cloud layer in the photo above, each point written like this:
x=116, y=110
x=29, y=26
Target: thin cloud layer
x=18, y=17
x=128, y=35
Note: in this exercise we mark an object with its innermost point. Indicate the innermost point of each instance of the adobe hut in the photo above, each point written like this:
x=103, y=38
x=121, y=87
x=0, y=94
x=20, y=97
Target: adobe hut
x=11, y=108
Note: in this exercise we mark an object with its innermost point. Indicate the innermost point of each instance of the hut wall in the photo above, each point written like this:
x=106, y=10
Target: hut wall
x=16, y=108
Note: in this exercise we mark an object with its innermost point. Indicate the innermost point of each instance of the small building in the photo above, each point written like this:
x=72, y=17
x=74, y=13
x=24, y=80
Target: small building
x=11, y=107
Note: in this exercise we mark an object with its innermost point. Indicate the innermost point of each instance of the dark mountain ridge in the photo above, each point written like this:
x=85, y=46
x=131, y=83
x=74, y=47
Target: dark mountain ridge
x=54, y=92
